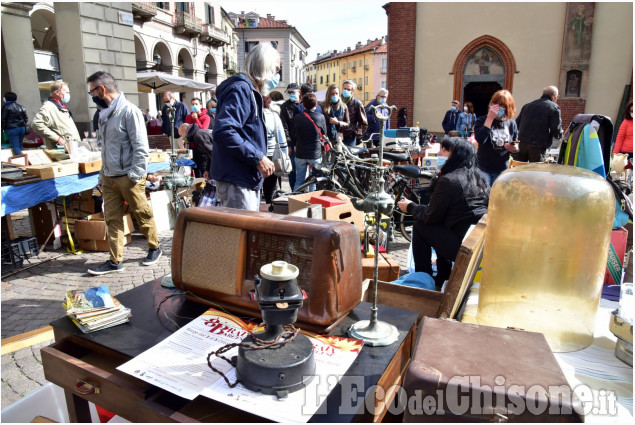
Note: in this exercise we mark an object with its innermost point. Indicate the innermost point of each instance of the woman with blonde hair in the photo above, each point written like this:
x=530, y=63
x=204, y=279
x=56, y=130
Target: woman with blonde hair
x=335, y=113
x=497, y=135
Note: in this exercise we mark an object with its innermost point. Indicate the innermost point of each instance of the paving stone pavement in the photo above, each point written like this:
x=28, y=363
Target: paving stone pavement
x=32, y=297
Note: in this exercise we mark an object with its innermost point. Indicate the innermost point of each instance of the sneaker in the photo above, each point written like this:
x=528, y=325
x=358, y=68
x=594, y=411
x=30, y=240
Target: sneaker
x=153, y=256
x=107, y=267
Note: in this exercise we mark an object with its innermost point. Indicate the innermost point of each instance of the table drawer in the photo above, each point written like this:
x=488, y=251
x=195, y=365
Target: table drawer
x=93, y=377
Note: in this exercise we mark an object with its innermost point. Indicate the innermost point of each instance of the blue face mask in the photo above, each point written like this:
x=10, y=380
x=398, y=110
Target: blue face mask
x=453, y=108
x=346, y=94
x=212, y=109
x=196, y=108
x=66, y=98
x=293, y=97
x=382, y=100
x=335, y=99
x=501, y=112
x=441, y=160
x=273, y=82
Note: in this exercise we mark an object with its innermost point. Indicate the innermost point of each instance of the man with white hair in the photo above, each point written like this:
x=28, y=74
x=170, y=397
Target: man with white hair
x=538, y=123
x=240, y=163
x=373, y=123
x=358, y=122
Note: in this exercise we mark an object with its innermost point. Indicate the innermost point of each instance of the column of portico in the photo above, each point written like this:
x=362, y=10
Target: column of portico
x=18, y=59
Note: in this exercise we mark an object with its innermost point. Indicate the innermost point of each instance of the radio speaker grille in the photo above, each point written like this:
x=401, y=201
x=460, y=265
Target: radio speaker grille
x=210, y=257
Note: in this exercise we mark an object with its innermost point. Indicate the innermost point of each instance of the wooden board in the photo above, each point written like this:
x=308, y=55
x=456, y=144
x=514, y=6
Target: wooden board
x=20, y=180
x=51, y=171
x=90, y=167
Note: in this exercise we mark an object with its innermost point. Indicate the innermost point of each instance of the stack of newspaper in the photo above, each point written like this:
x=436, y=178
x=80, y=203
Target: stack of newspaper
x=95, y=309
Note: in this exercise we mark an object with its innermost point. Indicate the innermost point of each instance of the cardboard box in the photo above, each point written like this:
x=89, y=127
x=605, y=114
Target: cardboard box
x=345, y=212
x=388, y=268
x=327, y=201
x=51, y=171
x=619, y=238
x=91, y=233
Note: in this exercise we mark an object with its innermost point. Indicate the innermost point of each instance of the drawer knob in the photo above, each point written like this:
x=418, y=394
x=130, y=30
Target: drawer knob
x=86, y=388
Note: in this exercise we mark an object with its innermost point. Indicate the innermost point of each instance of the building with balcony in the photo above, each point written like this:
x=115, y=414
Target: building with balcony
x=43, y=41
x=324, y=71
x=380, y=69
x=360, y=64
x=252, y=29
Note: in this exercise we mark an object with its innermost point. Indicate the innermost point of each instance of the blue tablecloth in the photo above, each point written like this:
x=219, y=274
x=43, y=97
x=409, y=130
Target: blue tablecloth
x=16, y=198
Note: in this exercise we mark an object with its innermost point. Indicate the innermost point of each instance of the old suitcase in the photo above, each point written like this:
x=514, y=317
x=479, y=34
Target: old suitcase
x=462, y=372
x=216, y=252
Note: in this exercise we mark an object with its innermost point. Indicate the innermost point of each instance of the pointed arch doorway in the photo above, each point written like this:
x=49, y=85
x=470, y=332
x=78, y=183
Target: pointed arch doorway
x=483, y=67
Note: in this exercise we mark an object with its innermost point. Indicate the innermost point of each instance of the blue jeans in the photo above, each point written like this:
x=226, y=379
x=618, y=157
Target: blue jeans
x=490, y=177
x=15, y=135
x=301, y=168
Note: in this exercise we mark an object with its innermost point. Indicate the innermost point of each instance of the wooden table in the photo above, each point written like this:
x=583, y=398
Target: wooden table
x=85, y=365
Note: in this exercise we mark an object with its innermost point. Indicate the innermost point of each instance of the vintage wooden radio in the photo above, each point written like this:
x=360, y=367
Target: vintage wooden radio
x=217, y=252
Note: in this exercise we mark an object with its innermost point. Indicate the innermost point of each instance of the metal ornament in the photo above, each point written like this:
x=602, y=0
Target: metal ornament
x=374, y=332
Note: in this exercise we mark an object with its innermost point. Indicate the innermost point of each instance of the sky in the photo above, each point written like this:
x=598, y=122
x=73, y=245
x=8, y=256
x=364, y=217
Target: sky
x=324, y=24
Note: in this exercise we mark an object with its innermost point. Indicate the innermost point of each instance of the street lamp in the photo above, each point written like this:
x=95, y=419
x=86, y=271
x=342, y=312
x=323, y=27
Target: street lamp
x=157, y=62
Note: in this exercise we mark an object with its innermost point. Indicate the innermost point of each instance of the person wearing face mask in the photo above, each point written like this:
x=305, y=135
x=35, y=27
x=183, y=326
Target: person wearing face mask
x=373, y=123
x=539, y=123
x=211, y=113
x=54, y=121
x=458, y=199
x=240, y=163
x=180, y=112
x=358, y=123
x=124, y=156
x=199, y=117
x=286, y=117
x=465, y=124
x=335, y=114
x=497, y=136
x=451, y=117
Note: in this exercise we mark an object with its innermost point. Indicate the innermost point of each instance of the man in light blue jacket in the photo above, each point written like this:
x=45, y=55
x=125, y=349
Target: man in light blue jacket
x=124, y=157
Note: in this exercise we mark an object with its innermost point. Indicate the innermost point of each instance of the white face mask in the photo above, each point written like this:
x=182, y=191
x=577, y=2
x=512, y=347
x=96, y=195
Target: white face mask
x=465, y=108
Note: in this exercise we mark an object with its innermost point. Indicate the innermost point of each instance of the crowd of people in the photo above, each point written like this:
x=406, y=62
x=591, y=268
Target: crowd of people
x=236, y=135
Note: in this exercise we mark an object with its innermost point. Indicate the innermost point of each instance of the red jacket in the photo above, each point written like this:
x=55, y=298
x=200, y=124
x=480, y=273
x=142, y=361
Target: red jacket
x=624, y=140
x=202, y=121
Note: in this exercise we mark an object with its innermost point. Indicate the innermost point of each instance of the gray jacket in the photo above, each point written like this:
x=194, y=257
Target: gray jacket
x=124, y=138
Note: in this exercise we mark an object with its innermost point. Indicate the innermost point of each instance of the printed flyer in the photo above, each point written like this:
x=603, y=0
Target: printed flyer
x=179, y=364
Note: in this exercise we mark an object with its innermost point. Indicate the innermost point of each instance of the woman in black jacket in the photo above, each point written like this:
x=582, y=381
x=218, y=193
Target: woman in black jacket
x=14, y=121
x=497, y=135
x=309, y=127
x=458, y=200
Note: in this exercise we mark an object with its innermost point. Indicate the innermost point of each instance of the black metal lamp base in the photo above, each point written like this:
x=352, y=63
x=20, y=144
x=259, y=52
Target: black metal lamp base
x=278, y=370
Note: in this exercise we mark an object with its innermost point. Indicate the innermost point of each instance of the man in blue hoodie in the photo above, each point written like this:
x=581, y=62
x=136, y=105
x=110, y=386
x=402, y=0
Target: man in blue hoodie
x=240, y=163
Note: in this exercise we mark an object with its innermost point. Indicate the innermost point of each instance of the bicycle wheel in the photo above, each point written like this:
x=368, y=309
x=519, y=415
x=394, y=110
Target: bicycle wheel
x=406, y=222
x=320, y=184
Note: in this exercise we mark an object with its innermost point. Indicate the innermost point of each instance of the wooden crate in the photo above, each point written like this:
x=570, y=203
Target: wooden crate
x=51, y=171
x=158, y=157
x=90, y=167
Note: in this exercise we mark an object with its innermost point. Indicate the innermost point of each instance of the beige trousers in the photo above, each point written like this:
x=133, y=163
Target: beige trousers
x=115, y=191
